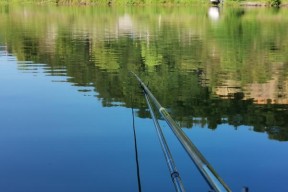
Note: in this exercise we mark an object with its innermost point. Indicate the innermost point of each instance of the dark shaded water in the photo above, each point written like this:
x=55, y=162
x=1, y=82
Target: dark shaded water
x=66, y=96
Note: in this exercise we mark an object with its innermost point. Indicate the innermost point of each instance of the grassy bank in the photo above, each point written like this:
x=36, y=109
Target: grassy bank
x=105, y=2
x=148, y=2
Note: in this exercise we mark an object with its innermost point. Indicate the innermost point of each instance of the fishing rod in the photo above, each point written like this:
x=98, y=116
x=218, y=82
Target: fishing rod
x=169, y=159
x=207, y=171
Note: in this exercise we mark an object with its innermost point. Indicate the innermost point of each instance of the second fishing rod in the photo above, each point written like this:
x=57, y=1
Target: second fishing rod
x=210, y=175
x=169, y=159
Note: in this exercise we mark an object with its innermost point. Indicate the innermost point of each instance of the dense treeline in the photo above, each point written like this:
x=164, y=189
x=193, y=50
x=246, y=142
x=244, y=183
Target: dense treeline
x=182, y=60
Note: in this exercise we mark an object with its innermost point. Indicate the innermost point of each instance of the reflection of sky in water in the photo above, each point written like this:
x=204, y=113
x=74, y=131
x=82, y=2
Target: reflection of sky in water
x=54, y=139
x=249, y=154
x=53, y=136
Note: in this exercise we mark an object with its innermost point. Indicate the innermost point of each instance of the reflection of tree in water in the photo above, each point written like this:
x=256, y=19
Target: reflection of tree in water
x=182, y=92
x=182, y=75
x=189, y=101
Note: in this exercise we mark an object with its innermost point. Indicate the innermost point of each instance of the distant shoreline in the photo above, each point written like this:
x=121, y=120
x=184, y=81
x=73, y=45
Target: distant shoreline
x=284, y=3
x=259, y=4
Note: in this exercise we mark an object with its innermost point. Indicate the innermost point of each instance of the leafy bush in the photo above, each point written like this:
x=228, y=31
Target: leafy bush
x=274, y=3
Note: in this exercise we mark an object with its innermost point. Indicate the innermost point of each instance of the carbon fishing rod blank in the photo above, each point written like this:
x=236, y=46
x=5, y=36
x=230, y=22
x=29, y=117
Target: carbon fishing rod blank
x=169, y=159
x=210, y=175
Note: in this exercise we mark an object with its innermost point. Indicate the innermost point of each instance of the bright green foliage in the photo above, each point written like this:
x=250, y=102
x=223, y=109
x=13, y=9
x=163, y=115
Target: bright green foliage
x=100, y=2
x=274, y=3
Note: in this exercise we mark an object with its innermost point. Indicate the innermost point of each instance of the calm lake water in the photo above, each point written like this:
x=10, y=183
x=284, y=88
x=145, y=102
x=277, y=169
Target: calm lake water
x=67, y=96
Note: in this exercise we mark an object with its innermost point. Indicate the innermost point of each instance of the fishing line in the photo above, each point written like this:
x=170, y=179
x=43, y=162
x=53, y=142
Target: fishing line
x=136, y=148
x=209, y=174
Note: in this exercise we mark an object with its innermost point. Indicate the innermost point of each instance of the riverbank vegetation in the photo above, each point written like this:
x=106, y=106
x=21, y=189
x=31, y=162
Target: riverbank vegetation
x=104, y=2
x=275, y=3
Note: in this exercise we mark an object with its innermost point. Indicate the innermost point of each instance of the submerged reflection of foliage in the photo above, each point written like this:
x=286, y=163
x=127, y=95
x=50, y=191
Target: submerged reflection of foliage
x=179, y=65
